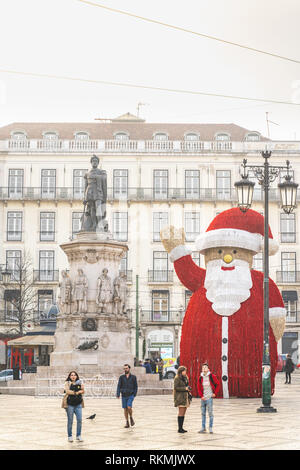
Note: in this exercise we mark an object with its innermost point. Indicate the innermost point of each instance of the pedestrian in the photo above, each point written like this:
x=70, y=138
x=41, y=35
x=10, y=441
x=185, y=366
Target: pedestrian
x=153, y=366
x=208, y=387
x=147, y=366
x=127, y=387
x=160, y=368
x=74, y=390
x=288, y=368
x=182, y=396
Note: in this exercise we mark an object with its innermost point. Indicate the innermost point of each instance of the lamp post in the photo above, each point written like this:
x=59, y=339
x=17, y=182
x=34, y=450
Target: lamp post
x=6, y=276
x=265, y=174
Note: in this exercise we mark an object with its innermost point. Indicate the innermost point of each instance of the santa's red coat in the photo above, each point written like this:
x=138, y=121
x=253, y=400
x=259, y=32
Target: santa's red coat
x=201, y=337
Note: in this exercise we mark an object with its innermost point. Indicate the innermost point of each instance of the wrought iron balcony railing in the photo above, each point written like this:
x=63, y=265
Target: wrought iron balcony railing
x=133, y=194
x=46, y=275
x=288, y=277
x=292, y=317
x=167, y=316
x=7, y=316
x=128, y=274
x=160, y=276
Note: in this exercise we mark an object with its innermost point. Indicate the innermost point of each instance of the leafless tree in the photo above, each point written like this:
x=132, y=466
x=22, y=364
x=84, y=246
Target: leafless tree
x=21, y=294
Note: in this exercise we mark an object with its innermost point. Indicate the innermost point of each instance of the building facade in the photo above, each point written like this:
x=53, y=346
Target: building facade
x=158, y=174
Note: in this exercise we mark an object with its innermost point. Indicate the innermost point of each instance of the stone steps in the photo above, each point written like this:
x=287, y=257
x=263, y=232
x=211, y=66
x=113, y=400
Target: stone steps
x=23, y=390
x=54, y=377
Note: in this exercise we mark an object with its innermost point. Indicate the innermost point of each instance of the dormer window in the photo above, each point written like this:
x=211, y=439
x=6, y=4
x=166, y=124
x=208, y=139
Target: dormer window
x=161, y=136
x=81, y=136
x=50, y=136
x=222, y=137
x=252, y=137
x=191, y=136
x=18, y=135
x=121, y=136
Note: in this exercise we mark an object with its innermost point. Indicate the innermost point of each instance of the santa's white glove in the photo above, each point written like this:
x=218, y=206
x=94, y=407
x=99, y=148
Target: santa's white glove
x=172, y=237
x=173, y=240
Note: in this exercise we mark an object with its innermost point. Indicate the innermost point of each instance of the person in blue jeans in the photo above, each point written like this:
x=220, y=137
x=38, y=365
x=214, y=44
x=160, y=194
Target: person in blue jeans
x=127, y=387
x=208, y=387
x=74, y=390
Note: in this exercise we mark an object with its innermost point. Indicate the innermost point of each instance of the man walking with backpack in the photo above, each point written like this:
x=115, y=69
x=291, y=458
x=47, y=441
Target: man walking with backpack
x=208, y=387
x=127, y=387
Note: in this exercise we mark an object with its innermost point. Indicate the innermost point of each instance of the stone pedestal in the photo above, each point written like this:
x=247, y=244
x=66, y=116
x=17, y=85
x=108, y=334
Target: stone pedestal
x=99, y=336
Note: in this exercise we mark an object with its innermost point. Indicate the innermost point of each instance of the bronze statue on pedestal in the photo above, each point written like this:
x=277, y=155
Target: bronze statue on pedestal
x=95, y=195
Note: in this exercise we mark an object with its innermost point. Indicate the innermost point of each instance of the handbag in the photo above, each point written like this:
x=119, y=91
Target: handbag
x=64, y=403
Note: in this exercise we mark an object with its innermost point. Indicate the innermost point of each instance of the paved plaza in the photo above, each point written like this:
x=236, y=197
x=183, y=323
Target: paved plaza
x=40, y=424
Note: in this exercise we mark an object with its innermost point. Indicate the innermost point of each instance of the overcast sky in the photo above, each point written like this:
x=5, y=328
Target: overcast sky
x=69, y=38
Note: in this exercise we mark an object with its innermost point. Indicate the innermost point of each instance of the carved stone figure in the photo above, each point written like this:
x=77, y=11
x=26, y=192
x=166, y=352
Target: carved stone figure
x=95, y=195
x=104, y=291
x=80, y=292
x=120, y=294
x=88, y=345
x=65, y=293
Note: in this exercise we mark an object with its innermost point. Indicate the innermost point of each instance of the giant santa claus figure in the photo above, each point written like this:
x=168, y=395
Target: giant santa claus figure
x=223, y=324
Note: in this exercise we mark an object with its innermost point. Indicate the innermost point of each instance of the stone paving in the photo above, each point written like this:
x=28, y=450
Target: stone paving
x=40, y=424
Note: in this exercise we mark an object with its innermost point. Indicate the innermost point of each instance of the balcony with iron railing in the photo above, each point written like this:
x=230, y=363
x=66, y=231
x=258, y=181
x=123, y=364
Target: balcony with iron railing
x=133, y=194
x=128, y=275
x=49, y=275
x=14, y=235
x=162, y=316
x=288, y=277
x=144, y=146
x=8, y=316
x=160, y=276
x=292, y=317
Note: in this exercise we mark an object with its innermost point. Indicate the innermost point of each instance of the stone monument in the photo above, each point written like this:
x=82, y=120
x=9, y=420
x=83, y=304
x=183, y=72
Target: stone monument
x=93, y=327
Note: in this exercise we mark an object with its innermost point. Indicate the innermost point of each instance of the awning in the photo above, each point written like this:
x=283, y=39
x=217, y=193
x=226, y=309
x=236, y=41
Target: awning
x=11, y=294
x=289, y=295
x=34, y=340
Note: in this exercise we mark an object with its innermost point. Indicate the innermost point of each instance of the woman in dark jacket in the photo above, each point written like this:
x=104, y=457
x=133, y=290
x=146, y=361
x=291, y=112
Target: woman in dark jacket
x=74, y=390
x=181, y=396
x=288, y=368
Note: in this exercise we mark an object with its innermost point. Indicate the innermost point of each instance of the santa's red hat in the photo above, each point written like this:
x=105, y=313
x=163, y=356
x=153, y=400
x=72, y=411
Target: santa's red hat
x=237, y=229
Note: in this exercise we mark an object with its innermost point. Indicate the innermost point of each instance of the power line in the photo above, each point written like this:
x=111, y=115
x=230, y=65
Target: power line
x=185, y=30
x=146, y=87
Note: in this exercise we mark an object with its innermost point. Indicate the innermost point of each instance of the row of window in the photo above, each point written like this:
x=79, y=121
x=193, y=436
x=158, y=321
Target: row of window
x=120, y=183
x=45, y=298
x=160, y=303
x=160, y=271
x=160, y=136
x=120, y=225
x=47, y=225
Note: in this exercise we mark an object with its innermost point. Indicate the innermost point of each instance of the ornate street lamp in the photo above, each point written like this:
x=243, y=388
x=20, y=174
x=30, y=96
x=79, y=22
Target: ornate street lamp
x=288, y=193
x=6, y=276
x=265, y=174
x=244, y=190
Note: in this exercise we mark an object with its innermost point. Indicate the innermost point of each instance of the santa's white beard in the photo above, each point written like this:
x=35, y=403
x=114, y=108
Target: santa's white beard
x=227, y=289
